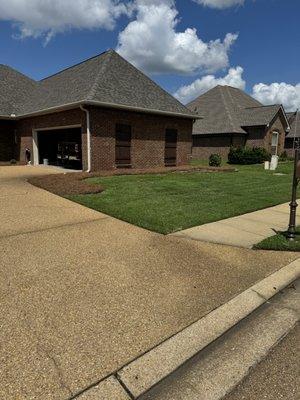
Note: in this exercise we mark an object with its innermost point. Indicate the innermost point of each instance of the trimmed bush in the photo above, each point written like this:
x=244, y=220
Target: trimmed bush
x=13, y=161
x=247, y=156
x=215, y=160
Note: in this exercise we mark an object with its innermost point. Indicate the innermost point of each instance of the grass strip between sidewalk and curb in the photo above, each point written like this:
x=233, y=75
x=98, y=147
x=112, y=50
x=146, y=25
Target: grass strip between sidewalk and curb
x=280, y=242
x=146, y=371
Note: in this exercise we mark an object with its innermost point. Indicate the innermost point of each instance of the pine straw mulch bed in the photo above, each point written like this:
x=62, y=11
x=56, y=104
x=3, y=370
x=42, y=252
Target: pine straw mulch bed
x=74, y=183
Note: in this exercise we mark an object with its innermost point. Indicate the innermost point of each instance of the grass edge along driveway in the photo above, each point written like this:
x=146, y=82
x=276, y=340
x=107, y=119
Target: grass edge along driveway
x=170, y=202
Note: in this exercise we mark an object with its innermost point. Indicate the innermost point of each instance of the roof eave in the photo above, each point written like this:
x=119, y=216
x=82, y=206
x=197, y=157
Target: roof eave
x=141, y=109
x=285, y=117
x=7, y=117
x=255, y=125
x=69, y=106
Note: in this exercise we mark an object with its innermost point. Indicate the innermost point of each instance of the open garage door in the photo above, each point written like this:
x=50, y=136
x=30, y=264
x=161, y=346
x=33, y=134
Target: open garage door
x=60, y=147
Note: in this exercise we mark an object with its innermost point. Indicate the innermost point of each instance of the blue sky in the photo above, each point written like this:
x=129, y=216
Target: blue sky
x=40, y=37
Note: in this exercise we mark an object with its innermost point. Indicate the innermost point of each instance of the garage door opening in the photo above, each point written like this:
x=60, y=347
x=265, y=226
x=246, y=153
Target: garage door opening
x=60, y=147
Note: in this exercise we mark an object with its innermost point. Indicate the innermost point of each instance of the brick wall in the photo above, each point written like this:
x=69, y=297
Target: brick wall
x=148, y=135
x=279, y=127
x=204, y=146
x=7, y=140
x=148, y=138
x=26, y=126
x=262, y=137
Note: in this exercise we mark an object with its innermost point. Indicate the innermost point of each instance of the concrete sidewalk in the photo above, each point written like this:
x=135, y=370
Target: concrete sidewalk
x=242, y=231
x=82, y=294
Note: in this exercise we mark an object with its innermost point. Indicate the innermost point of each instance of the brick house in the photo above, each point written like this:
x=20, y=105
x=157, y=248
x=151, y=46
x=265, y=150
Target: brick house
x=233, y=118
x=110, y=112
x=294, y=134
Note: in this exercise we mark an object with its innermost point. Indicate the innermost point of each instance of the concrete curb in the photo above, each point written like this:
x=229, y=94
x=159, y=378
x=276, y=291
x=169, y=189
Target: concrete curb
x=140, y=375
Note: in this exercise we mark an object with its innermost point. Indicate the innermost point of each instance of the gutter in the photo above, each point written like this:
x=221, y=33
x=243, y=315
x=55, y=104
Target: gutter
x=88, y=132
x=101, y=104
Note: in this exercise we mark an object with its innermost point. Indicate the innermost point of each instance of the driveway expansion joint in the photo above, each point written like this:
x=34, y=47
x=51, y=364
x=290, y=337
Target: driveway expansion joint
x=117, y=376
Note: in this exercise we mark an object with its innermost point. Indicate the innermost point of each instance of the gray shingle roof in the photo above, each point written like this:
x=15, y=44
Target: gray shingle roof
x=229, y=110
x=259, y=116
x=15, y=90
x=107, y=79
x=294, y=121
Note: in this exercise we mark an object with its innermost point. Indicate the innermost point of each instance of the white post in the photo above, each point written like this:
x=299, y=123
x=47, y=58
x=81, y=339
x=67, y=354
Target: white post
x=35, y=148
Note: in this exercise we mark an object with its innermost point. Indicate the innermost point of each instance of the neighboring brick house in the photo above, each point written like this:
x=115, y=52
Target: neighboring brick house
x=293, y=137
x=106, y=110
x=230, y=117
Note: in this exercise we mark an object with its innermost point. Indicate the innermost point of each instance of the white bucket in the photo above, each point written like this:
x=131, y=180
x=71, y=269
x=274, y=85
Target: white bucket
x=45, y=161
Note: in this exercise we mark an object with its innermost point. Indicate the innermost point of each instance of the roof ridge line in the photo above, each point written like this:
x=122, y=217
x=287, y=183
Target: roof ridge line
x=226, y=106
x=113, y=52
x=74, y=65
x=151, y=80
x=92, y=92
x=20, y=73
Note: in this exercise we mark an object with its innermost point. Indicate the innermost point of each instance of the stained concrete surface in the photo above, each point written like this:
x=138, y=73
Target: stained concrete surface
x=151, y=368
x=81, y=293
x=276, y=377
x=221, y=366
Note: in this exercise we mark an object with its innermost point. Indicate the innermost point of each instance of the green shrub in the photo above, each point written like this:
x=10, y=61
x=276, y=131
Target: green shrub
x=215, y=160
x=247, y=156
x=13, y=161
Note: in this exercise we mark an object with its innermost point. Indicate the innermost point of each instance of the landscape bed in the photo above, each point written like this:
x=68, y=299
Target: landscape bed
x=170, y=202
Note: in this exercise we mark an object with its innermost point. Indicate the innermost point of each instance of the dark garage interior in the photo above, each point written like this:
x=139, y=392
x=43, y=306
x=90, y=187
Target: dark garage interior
x=61, y=147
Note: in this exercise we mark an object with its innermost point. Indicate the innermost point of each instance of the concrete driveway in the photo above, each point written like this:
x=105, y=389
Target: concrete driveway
x=81, y=293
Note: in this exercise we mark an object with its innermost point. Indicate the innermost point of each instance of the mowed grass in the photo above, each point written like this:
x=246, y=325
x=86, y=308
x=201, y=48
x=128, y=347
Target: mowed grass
x=170, y=202
x=280, y=242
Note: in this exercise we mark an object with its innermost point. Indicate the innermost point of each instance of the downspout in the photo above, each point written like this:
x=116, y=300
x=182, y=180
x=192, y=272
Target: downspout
x=88, y=132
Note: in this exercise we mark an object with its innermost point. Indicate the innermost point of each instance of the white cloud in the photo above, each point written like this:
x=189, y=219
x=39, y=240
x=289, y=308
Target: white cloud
x=220, y=3
x=152, y=43
x=278, y=93
x=35, y=18
x=188, y=93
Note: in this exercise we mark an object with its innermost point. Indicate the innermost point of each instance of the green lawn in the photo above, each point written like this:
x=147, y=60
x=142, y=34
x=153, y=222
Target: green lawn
x=169, y=202
x=280, y=242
